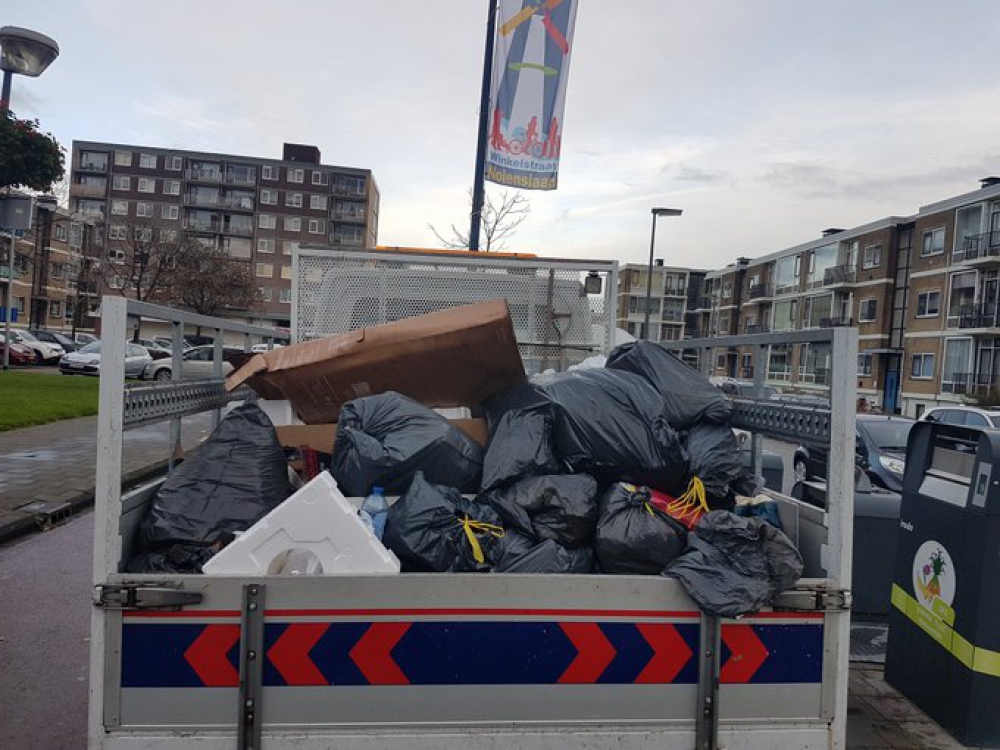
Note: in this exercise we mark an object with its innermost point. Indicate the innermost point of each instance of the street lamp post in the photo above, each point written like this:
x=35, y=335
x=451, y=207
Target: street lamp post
x=27, y=53
x=657, y=212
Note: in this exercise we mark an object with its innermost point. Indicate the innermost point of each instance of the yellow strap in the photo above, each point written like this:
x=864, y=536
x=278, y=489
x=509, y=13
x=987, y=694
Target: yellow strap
x=692, y=503
x=472, y=527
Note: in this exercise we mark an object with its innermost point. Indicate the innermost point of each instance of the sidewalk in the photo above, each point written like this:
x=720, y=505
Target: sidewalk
x=47, y=472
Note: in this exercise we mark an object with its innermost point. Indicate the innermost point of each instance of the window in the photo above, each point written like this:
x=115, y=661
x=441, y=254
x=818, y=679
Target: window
x=171, y=187
x=957, y=359
x=968, y=225
x=727, y=290
x=144, y=210
x=89, y=207
x=296, y=175
x=147, y=161
x=267, y=221
x=864, y=364
x=720, y=361
x=933, y=242
x=170, y=211
x=786, y=275
x=963, y=295
x=264, y=270
x=265, y=293
x=317, y=226
x=851, y=258
x=872, y=257
x=147, y=185
x=173, y=163
x=286, y=272
x=293, y=224
x=928, y=304
x=58, y=270
x=59, y=230
x=288, y=247
x=55, y=309
x=142, y=234
x=119, y=208
x=320, y=178
x=269, y=197
x=117, y=232
x=168, y=235
x=349, y=185
x=867, y=310
x=293, y=199
x=265, y=245
x=123, y=158
x=95, y=160
x=20, y=304
x=269, y=172
x=318, y=202
x=121, y=182
x=285, y=295
x=922, y=367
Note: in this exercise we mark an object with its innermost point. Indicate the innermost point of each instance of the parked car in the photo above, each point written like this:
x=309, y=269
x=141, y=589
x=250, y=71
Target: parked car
x=82, y=339
x=168, y=343
x=54, y=337
x=155, y=348
x=743, y=388
x=880, y=451
x=261, y=348
x=197, y=363
x=19, y=353
x=970, y=416
x=87, y=361
x=45, y=353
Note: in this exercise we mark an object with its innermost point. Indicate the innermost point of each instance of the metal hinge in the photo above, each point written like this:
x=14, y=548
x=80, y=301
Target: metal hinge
x=143, y=596
x=818, y=599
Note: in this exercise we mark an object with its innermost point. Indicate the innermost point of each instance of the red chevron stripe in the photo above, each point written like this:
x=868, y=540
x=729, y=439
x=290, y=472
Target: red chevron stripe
x=372, y=654
x=747, y=653
x=594, y=653
x=670, y=653
x=290, y=653
x=207, y=655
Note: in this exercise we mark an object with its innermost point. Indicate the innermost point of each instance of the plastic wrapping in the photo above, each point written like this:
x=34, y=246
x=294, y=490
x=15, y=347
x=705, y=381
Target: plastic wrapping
x=714, y=457
x=432, y=528
x=384, y=440
x=633, y=535
x=549, y=557
x=520, y=423
x=562, y=508
x=688, y=396
x=612, y=424
x=733, y=566
x=228, y=483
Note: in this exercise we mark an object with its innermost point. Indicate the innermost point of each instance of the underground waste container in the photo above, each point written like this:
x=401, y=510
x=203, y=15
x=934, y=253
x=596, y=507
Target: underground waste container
x=944, y=627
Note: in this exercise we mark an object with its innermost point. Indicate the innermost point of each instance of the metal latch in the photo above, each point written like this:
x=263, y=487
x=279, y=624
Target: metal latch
x=819, y=599
x=143, y=596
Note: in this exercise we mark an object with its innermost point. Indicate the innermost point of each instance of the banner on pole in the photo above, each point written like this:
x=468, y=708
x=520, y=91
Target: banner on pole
x=530, y=68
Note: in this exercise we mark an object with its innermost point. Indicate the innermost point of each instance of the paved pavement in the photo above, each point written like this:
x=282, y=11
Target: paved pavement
x=47, y=471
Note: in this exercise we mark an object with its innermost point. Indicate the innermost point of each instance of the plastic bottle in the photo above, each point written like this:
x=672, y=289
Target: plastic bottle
x=376, y=508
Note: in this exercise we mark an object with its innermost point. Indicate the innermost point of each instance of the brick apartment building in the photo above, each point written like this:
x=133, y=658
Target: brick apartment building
x=923, y=291
x=672, y=300
x=254, y=209
x=53, y=285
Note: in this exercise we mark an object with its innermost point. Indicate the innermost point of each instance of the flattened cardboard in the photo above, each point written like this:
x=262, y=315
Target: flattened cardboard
x=455, y=357
x=320, y=437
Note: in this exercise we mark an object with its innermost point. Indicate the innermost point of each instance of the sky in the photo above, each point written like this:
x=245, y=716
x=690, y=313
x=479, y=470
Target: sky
x=765, y=121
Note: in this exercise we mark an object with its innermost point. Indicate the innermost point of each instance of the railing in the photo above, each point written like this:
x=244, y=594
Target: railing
x=836, y=322
x=968, y=384
x=87, y=191
x=232, y=179
x=193, y=199
x=341, y=215
x=982, y=315
x=238, y=204
x=839, y=275
x=92, y=166
x=746, y=373
x=758, y=328
x=203, y=175
x=705, y=302
x=786, y=288
x=758, y=291
x=351, y=191
x=979, y=246
x=201, y=226
x=240, y=229
x=350, y=240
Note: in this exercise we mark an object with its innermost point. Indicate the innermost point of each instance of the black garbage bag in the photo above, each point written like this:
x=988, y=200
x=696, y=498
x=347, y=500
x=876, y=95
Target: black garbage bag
x=228, y=484
x=714, y=459
x=733, y=566
x=175, y=558
x=612, y=424
x=511, y=547
x=561, y=507
x=384, y=440
x=433, y=528
x=688, y=396
x=520, y=423
x=549, y=557
x=633, y=535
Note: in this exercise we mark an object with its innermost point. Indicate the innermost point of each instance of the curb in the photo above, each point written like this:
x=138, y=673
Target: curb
x=45, y=521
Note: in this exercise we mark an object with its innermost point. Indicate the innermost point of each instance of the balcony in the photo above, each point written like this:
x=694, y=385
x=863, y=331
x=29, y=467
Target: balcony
x=981, y=249
x=353, y=216
x=760, y=291
x=195, y=199
x=86, y=165
x=194, y=225
x=348, y=239
x=349, y=190
x=235, y=179
x=705, y=302
x=238, y=204
x=203, y=175
x=87, y=191
x=837, y=322
x=758, y=328
x=241, y=230
x=982, y=315
x=839, y=275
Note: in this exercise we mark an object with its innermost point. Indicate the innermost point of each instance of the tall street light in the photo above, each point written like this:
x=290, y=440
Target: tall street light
x=657, y=212
x=25, y=53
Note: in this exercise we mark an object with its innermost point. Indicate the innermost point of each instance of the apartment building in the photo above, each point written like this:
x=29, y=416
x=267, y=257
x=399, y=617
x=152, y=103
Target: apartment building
x=254, y=209
x=53, y=285
x=673, y=297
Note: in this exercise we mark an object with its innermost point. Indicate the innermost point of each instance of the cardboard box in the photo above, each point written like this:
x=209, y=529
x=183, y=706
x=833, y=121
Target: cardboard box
x=455, y=357
x=320, y=437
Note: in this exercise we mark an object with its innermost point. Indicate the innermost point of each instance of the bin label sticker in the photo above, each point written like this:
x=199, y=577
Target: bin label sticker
x=934, y=579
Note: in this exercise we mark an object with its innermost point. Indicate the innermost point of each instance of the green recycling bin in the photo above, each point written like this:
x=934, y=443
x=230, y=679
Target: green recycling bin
x=944, y=625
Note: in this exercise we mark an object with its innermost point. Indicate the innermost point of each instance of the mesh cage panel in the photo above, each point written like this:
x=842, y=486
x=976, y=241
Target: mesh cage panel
x=556, y=322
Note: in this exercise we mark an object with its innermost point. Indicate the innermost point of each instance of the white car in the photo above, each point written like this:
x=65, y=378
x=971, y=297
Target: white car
x=45, y=352
x=197, y=364
x=970, y=416
x=87, y=360
x=261, y=348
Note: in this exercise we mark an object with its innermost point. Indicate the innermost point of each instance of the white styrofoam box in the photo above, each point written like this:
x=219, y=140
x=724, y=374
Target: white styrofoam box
x=279, y=411
x=319, y=525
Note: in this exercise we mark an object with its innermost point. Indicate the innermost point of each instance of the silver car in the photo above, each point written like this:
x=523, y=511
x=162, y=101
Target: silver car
x=87, y=361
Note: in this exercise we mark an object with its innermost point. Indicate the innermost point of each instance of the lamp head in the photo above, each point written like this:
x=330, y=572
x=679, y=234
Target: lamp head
x=667, y=211
x=26, y=52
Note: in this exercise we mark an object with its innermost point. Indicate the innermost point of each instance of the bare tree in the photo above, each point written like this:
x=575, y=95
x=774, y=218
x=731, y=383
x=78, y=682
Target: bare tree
x=500, y=218
x=209, y=281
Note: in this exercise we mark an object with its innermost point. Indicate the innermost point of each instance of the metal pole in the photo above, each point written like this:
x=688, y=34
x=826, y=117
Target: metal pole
x=10, y=293
x=5, y=97
x=649, y=278
x=478, y=186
